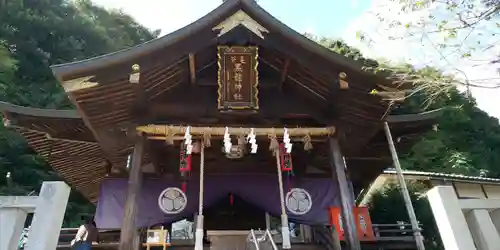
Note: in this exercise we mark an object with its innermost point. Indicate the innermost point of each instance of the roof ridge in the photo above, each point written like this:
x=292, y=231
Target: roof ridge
x=416, y=172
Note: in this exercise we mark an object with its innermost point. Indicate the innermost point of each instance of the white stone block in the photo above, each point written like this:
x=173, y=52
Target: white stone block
x=483, y=230
x=49, y=215
x=11, y=226
x=450, y=219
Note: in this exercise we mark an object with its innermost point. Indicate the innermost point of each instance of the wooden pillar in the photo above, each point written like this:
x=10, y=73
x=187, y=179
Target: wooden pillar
x=339, y=171
x=419, y=239
x=129, y=229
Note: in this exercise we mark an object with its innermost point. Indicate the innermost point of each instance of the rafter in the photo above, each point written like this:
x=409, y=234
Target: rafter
x=284, y=72
x=192, y=68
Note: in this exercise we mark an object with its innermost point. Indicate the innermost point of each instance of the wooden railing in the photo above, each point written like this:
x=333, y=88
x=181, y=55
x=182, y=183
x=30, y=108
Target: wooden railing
x=385, y=234
x=393, y=232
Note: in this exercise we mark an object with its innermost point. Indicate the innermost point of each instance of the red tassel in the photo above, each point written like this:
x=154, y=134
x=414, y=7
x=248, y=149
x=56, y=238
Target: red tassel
x=289, y=183
x=231, y=199
x=184, y=187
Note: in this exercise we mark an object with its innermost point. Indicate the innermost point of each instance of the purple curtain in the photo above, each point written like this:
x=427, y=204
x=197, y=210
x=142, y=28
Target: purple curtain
x=260, y=190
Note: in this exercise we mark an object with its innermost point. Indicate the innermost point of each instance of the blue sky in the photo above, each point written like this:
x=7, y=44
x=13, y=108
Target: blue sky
x=331, y=19
x=324, y=17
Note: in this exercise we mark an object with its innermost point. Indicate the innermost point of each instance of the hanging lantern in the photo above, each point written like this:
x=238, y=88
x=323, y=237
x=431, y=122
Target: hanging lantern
x=286, y=159
x=184, y=166
x=135, y=75
x=185, y=160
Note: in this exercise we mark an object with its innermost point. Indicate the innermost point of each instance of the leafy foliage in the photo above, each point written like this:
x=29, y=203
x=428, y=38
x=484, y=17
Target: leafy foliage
x=388, y=207
x=35, y=34
x=467, y=141
x=460, y=37
x=342, y=48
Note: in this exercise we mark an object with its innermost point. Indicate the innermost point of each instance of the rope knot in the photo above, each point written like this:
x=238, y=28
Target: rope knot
x=273, y=144
x=168, y=137
x=307, y=142
x=206, y=139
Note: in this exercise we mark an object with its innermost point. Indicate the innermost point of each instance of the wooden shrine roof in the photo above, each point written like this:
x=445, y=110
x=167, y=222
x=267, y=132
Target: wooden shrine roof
x=298, y=86
x=205, y=25
x=171, y=65
x=83, y=164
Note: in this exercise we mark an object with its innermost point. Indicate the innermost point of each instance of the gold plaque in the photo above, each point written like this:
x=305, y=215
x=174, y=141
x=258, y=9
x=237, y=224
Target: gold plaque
x=238, y=78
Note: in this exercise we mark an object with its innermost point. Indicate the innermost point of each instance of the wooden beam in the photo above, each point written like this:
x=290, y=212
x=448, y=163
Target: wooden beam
x=128, y=228
x=163, y=130
x=198, y=104
x=284, y=72
x=192, y=68
x=295, y=80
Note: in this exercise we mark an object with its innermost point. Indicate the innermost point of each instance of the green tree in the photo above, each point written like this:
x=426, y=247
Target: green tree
x=466, y=140
x=7, y=69
x=458, y=36
x=388, y=207
x=34, y=35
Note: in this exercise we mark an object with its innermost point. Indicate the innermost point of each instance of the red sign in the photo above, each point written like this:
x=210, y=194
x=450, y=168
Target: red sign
x=361, y=217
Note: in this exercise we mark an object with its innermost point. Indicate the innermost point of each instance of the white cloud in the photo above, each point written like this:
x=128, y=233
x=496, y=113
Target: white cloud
x=421, y=50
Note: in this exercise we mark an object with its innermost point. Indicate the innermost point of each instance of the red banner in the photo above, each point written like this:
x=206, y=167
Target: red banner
x=363, y=221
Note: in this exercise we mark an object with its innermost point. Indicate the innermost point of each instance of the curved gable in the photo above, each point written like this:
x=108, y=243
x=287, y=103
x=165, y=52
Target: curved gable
x=209, y=22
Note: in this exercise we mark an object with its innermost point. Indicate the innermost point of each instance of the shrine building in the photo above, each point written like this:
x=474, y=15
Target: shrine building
x=232, y=122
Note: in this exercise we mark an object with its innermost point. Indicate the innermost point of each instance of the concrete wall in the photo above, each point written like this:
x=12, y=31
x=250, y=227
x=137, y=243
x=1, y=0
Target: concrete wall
x=466, y=223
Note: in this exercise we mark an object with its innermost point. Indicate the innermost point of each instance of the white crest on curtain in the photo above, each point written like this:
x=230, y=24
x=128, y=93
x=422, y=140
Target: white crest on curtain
x=298, y=201
x=172, y=200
